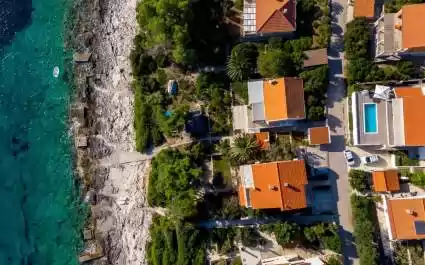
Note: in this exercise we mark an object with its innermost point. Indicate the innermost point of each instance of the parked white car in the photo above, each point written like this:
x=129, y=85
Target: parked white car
x=369, y=159
x=349, y=157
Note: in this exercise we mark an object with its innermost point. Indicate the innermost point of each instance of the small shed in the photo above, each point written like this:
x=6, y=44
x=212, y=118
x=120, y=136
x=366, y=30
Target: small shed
x=315, y=57
x=386, y=180
x=81, y=57
x=319, y=135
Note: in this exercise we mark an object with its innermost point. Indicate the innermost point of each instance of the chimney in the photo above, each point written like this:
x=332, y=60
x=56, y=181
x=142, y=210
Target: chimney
x=272, y=187
x=285, y=10
x=397, y=26
x=286, y=184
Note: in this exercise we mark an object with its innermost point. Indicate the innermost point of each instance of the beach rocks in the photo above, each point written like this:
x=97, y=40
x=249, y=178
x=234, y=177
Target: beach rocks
x=106, y=28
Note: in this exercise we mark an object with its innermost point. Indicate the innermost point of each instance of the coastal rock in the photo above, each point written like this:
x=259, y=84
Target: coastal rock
x=107, y=28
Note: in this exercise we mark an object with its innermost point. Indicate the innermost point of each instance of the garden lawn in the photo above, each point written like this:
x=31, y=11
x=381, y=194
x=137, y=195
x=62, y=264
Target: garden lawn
x=222, y=167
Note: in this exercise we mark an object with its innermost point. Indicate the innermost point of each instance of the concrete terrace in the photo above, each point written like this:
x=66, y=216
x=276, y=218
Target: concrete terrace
x=384, y=124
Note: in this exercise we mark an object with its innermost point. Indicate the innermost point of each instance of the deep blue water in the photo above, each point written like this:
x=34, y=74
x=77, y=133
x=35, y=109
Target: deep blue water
x=40, y=220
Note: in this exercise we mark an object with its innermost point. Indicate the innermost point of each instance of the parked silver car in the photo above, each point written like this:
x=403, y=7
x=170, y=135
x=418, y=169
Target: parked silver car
x=369, y=159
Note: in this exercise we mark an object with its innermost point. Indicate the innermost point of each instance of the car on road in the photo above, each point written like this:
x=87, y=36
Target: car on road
x=349, y=157
x=369, y=159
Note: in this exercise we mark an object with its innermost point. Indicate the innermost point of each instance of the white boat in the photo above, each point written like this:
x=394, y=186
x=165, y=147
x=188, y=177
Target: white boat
x=56, y=71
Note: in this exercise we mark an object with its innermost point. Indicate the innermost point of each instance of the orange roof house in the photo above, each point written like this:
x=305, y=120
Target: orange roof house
x=364, y=8
x=409, y=118
x=386, y=180
x=279, y=99
x=270, y=16
x=319, y=135
x=398, y=34
x=406, y=218
x=412, y=22
x=274, y=185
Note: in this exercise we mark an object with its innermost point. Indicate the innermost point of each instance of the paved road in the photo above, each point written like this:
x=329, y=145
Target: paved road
x=336, y=114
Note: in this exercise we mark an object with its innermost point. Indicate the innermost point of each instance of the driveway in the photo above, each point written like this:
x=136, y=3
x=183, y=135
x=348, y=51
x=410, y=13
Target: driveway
x=336, y=113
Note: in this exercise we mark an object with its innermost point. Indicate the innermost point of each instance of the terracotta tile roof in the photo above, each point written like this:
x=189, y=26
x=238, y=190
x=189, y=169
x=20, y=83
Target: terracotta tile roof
x=275, y=16
x=414, y=121
x=267, y=193
x=364, y=8
x=293, y=178
x=278, y=185
x=283, y=99
x=402, y=215
x=407, y=91
x=386, y=180
x=263, y=139
x=413, y=24
x=315, y=57
x=319, y=135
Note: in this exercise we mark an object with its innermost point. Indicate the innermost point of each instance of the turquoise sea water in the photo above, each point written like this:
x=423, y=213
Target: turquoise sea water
x=39, y=206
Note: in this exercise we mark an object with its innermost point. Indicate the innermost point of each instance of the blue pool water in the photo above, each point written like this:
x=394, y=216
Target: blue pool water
x=370, y=118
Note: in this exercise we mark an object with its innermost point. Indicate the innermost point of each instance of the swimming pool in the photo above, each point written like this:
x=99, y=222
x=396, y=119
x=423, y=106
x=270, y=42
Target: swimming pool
x=370, y=115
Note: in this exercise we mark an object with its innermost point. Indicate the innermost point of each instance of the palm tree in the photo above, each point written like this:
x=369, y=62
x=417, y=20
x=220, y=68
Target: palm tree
x=245, y=148
x=241, y=62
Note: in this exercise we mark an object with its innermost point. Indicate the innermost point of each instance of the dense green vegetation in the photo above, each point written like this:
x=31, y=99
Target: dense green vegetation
x=323, y=236
x=213, y=89
x=359, y=180
x=364, y=229
x=361, y=68
x=394, y=6
x=417, y=179
x=172, y=182
x=190, y=32
x=402, y=159
x=315, y=87
x=401, y=256
x=174, y=242
x=242, y=61
x=313, y=20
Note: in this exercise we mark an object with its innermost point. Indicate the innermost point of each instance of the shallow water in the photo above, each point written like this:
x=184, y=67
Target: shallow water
x=40, y=217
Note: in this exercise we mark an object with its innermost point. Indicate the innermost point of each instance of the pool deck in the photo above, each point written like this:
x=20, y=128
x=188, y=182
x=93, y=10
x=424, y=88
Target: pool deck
x=384, y=110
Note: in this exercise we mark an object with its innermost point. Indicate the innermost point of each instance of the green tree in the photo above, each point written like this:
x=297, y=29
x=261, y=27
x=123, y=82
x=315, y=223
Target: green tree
x=356, y=39
x=285, y=232
x=274, y=63
x=333, y=260
x=250, y=237
x=359, y=180
x=245, y=148
x=242, y=61
x=172, y=182
x=173, y=124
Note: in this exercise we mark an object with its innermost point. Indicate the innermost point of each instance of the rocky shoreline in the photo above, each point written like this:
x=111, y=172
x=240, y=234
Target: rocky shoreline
x=113, y=175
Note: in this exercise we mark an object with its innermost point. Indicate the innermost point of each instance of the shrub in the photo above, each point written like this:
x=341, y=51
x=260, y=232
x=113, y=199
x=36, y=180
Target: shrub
x=242, y=61
x=417, y=179
x=356, y=39
x=241, y=91
x=359, y=180
x=172, y=182
x=176, y=243
x=285, y=232
x=364, y=229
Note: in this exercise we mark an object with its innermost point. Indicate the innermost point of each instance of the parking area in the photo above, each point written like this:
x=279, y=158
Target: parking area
x=383, y=162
